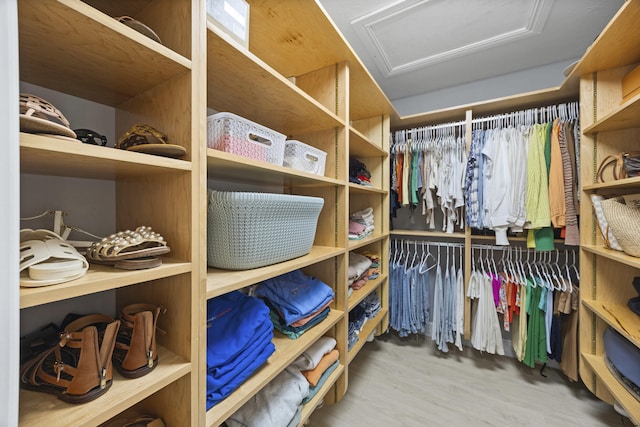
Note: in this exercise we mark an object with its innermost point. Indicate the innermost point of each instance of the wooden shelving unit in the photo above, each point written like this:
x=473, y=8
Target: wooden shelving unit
x=606, y=275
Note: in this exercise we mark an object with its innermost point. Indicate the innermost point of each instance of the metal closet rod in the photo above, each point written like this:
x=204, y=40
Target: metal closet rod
x=420, y=242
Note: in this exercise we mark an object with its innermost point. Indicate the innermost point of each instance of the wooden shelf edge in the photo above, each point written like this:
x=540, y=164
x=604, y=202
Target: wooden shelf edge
x=222, y=281
x=355, y=244
x=287, y=351
x=100, y=278
x=622, y=117
x=622, y=396
x=614, y=255
x=613, y=185
x=36, y=408
x=358, y=295
x=363, y=189
x=311, y=405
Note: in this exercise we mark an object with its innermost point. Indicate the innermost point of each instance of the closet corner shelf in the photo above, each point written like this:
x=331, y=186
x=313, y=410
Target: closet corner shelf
x=355, y=244
x=619, y=392
x=241, y=169
x=368, y=328
x=620, y=184
x=426, y=233
x=614, y=255
x=310, y=406
x=287, y=350
x=100, y=278
x=362, y=147
x=363, y=189
x=36, y=408
x=275, y=101
x=624, y=116
x=358, y=295
x=618, y=316
x=54, y=54
x=41, y=154
x=220, y=282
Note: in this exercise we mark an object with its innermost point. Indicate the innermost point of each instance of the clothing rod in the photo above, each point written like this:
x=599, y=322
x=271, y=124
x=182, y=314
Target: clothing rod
x=420, y=242
x=535, y=110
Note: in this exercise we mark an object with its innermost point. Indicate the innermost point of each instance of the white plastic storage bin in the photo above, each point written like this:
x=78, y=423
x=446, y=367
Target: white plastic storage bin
x=233, y=134
x=250, y=230
x=303, y=157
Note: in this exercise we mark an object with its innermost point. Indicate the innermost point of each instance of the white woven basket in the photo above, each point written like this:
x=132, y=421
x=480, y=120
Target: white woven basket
x=233, y=134
x=304, y=157
x=250, y=230
x=624, y=223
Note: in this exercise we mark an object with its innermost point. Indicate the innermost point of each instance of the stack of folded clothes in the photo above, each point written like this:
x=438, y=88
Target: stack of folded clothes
x=358, y=270
x=358, y=316
x=374, y=268
x=239, y=334
x=361, y=224
x=358, y=172
x=296, y=301
x=317, y=363
x=622, y=358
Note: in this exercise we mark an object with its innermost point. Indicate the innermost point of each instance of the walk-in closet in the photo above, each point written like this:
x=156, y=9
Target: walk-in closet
x=274, y=213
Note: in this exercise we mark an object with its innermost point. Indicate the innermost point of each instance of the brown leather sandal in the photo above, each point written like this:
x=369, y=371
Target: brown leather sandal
x=135, y=352
x=79, y=368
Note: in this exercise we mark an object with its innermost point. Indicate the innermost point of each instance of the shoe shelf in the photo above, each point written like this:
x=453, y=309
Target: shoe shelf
x=69, y=46
x=287, y=350
x=48, y=155
x=241, y=169
x=220, y=282
x=358, y=295
x=625, y=116
x=368, y=328
x=100, y=278
x=258, y=92
x=628, y=402
x=40, y=409
x=618, y=316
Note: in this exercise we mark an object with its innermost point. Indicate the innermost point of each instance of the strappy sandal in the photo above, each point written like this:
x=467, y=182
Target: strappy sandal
x=79, y=368
x=130, y=250
x=146, y=139
x=136, y=421
x=46, y=259
x=135, y=351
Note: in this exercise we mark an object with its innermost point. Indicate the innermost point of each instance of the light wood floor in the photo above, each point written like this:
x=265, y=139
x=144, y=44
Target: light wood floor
x=397, y=382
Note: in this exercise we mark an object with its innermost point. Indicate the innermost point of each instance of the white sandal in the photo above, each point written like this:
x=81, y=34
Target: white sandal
x=48, y=259
x=141, y=244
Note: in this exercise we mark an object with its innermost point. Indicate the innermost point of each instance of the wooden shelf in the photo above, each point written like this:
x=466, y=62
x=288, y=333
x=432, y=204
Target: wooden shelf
x=277, y=36
x=241, y=83
x=624, y=117
x=355, y=244
x=222, y=281
x=358, y=295
x=622, y=396
x=227, y=166
x=362, y=147
x=425, y=233
x=618, y=316
x=100, y=278
x=614, y=255
x=40, y=409
x=367, y=329
x=312, y=404
x=48, y=155
x=287, y=350
x=620, y=184
x=363, y=189
x=68, y=46
x=617, y=44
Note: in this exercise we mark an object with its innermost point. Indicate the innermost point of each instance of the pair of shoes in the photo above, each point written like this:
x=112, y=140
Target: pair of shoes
x=143, y=420
x=79, y=367
x=129, y=250
x=47, y=259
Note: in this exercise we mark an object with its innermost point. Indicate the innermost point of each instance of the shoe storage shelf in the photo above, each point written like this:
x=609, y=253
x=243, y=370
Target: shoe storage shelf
x=300, y=78
x=79, y=50
x=609, y=126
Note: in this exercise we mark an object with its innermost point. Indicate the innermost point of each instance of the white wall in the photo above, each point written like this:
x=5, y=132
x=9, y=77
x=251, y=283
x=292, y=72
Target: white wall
x=9, y=175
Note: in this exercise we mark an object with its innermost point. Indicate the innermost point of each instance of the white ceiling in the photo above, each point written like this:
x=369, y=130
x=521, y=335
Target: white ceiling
x=430, y=54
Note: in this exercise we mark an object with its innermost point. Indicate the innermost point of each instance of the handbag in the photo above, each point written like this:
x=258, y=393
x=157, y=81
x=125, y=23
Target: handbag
x=625, y=165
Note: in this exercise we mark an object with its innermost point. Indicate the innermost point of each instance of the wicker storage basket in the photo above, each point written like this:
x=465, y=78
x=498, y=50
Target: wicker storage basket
x=233, y=134
x=250, y=230
x=303, y=157
x=624, y=223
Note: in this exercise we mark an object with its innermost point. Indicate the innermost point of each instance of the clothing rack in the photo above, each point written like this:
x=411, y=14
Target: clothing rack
x=564, y=111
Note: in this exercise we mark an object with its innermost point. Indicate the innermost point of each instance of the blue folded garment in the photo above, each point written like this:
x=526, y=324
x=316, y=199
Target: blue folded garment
x=234, y=321
x=623, y=354
x=295, y=295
